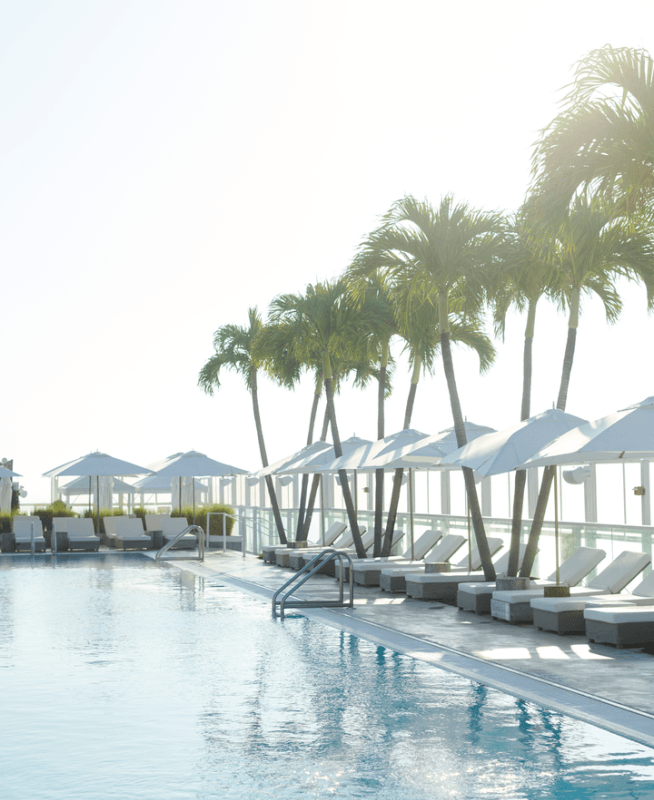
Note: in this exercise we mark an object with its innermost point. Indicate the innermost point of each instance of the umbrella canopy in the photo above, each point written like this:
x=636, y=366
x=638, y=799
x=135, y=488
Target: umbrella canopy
x=362, y=457
x=503, y=451
x=429, y=450
x=293, y=459
x=7, y=473
x=81, y=486
x=626, y=435
x=156, y=483
x=97, y=464
x=197, y=465
x=316, y=461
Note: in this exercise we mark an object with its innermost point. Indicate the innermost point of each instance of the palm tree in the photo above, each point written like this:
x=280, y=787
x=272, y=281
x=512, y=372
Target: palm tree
x=325, y=322
x=273, y=350
x=233, y=346
x=372, y=293
x=603, y=140
x=525, y=276
x=418, y=326
x=595, y=245
x=450, y=250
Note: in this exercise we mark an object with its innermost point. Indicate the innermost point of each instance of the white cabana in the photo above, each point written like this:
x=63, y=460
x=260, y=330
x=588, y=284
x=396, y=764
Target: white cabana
x=196, y=465
x=108, y=487
x=96, y=465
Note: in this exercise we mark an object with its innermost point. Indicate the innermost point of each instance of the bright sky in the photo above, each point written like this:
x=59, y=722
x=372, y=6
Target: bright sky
x=169, y=163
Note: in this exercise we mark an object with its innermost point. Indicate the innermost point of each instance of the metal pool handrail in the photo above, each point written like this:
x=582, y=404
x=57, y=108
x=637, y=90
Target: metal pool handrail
x=178, y=536
x=329, y=554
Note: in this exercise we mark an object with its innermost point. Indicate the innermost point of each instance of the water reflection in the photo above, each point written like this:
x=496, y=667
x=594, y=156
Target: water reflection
x=222, y=703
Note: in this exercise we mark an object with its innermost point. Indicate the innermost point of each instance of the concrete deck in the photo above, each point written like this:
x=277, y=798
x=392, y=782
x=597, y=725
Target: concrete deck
x=599, y=684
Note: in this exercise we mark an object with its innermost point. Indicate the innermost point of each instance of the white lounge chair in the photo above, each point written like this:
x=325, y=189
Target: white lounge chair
x=110, y=529
x=368, y=570
x=81, y=535
x=641, y=595
x=443, y=586
x=22, y=529
x=622, y=626
x=398, y=535
x=296, y=555
x=171, y=527
x=129, y=533
x=566, y=614
x=515, y=605
x=476, y=596
x=393, y=579
x=367, y=540
x=331, y=534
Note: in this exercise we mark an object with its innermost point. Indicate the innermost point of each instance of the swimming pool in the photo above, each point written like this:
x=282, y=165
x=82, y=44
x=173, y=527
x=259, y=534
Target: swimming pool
x=123, y=679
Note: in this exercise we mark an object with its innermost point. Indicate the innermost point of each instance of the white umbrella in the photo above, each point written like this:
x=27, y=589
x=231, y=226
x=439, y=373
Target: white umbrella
x=626, y=435
x=503, y=451
x=427, y=451
x=315, y=462
x=290, y=460
x=95, y=465
x=362, y=457
x=197, y=465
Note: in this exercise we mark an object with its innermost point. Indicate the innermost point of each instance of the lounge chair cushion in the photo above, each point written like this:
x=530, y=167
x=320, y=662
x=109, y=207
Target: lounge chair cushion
x=620, y=572
x=615, y=615
x=578, y=565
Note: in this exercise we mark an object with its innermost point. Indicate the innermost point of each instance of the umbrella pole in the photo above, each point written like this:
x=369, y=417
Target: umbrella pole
x=180, y=495
x=193, y=479
x=90, y=498
x=556, y=522
x=97, y=513
x=469, y=537
x=322, y=510
x=356, y=495
x=411, y=508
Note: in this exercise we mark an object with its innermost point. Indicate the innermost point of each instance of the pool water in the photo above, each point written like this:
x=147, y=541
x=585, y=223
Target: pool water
x=123, y=679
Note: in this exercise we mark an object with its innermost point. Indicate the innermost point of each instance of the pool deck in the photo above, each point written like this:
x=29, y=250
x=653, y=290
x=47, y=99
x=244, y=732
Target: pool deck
x=600, y=684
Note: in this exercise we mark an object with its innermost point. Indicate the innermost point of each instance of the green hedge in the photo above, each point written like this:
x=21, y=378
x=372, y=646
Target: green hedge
x=56, y=509
x=104, y=512
x=201, y=517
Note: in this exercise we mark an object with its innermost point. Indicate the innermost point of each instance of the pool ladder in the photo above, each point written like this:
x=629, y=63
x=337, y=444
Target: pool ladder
x=177, y=537
x=308, y=570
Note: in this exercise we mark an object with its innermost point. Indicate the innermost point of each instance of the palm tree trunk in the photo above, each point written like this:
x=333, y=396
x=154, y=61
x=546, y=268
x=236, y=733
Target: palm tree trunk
x=315, y=483
x=264, y=457
x=521, y=474
x=548, y=472
x=399, y=473
x=338, y=450
x=379, y=473
x=305, y=478
x=461, y=439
